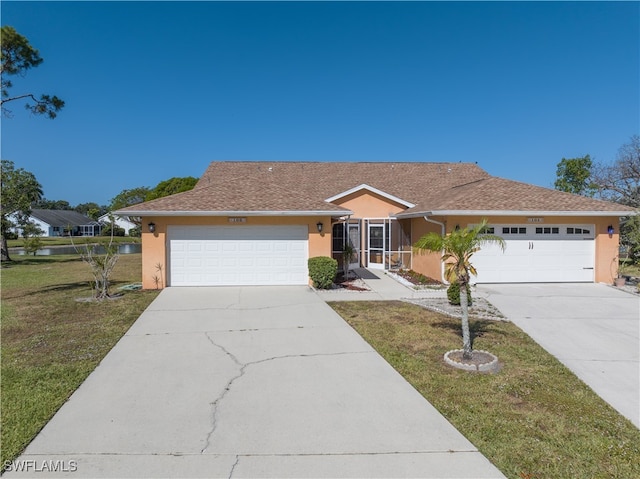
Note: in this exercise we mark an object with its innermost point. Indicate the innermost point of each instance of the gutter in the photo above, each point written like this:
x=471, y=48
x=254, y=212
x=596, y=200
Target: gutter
x=442, y=226
x=230, y=213
x=598, y=213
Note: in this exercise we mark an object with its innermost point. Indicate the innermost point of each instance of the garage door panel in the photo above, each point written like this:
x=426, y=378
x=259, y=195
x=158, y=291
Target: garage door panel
x=263, y=247
x=560, y=257
x=241, y=255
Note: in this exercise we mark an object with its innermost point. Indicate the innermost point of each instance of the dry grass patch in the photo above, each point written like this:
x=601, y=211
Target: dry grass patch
x=534, y=418
x=51, y=342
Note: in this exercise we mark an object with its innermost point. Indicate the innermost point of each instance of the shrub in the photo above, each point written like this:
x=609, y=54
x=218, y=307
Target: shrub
x=453, y=294
x=32, y=245
x=322, y=271
x=117, y=230
x=135, y=232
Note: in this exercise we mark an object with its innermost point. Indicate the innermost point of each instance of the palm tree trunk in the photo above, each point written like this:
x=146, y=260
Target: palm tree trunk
x=466, y=335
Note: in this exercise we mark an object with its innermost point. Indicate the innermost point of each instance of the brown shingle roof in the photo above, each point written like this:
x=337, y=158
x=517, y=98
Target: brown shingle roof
x=499, y=194
x=235, y=186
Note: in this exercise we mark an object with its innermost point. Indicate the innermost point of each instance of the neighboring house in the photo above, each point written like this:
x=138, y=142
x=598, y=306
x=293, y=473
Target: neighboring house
x=257, y=223
x=123, y=222
x=64, y=223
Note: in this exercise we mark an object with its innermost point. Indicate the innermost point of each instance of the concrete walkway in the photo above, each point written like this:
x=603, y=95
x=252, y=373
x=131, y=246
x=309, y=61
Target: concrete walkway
x=381, y=287
x=249, y=382
x=593, y=329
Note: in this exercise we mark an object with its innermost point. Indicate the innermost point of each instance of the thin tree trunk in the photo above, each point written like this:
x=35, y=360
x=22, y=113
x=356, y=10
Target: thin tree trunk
x=466, y=335
x=5, y=250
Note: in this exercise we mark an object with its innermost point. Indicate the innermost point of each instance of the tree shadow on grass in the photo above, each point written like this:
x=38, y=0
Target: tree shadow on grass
x=37, y=260
x=477, y=328
x=80, y=286
x=77, y=286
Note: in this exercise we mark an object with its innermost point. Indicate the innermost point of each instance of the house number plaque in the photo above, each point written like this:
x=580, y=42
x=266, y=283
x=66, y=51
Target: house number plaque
x=237, y=220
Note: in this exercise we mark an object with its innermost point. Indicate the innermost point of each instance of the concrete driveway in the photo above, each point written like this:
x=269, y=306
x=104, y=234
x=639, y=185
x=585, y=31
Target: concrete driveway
x=249, y=382
x=593, y=329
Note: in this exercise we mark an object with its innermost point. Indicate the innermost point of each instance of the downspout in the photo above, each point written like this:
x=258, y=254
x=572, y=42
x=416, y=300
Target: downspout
x=442, y=226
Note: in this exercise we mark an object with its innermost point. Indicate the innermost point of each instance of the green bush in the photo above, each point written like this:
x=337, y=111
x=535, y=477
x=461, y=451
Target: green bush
x=322, y=271
x=135, y=232
x=32, y=245
x=453, y=294
x=117, y=230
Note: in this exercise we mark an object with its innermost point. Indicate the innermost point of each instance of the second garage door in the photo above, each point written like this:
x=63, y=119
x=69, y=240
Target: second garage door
x=237, y=255
x=538, y=254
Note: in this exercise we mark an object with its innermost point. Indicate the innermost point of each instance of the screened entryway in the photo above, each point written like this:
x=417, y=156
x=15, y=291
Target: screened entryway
x=378, y=243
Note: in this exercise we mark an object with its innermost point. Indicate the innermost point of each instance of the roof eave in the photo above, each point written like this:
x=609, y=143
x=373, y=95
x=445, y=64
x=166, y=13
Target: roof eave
x=599, y=213
x=235, y=213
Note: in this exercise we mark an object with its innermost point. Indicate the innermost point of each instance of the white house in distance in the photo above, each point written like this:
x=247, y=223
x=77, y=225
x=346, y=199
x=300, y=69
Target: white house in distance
x=123, y=222
x=64, y=223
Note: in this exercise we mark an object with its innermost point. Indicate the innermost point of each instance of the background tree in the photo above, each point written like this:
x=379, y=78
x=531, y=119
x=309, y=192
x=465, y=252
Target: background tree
x=574, y=176
x=620, y=182
x=457, y=248
x=45, y=204
x=19, y=190
x=17, y=57
x=92, y=210
x=171, y=187
x=129, y=198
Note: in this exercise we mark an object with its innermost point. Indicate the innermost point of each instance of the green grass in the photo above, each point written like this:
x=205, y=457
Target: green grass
x=78, y=240
x=532, y=419
x=51, y=342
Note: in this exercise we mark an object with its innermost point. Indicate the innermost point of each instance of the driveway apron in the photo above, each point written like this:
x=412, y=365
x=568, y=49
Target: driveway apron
x=593, y=329
x=249, y=382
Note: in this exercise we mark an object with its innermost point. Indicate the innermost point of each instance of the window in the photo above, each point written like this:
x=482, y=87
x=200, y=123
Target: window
x=338, y=237
x=514, y=230
x=578, y=231
x=488, y=230
x=547, y=230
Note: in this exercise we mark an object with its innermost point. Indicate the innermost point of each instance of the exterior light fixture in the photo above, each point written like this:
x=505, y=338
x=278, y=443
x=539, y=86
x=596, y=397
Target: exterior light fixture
x=319, y=225
x=152, y=227
x=610, y=230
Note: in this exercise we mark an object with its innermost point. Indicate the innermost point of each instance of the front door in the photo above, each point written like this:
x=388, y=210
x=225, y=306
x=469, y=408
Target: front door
x=376, y=246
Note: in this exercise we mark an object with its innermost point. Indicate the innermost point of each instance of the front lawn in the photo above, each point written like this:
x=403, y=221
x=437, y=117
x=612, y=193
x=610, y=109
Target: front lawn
x=51, y=342
x=77, y=240
x=533, y=419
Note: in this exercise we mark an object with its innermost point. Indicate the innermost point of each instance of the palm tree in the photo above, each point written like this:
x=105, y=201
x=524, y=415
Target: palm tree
x=457, y=248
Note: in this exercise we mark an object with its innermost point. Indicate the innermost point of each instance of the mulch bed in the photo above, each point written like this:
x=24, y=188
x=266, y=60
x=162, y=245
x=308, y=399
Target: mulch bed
x=351, y=284
x=417, y=278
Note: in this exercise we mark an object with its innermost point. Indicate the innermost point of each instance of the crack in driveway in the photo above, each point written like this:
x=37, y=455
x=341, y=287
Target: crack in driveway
x=242, y=369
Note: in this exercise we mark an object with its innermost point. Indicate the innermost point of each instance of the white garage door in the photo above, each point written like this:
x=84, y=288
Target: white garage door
x=538, y=254
x=237, y=255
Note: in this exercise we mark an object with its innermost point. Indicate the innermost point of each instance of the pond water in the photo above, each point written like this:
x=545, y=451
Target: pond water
x=125, y=248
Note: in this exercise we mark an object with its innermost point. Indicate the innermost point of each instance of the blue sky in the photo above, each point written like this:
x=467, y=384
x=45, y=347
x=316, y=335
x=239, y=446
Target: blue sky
x=155, y=90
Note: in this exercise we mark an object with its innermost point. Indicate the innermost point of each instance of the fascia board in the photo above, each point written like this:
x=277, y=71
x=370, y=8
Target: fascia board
x=233, y=213
x=373, y=190
x=515, y=213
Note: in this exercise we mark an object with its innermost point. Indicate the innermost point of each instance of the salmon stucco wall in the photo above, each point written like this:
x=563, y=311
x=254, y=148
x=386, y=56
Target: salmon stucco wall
x=155, y=254
x=424, y=262
x=606, y=246
x=366, y=204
